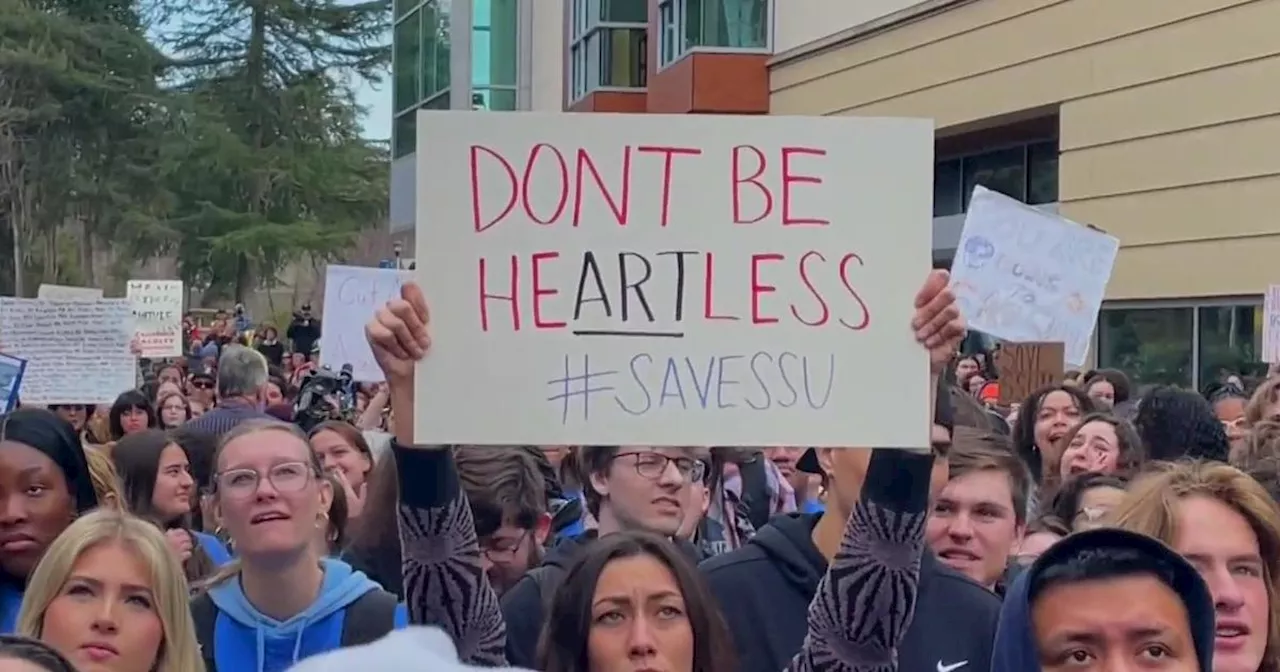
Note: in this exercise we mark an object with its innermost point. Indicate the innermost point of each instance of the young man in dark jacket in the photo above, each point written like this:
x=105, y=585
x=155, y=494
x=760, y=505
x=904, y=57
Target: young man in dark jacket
x=764, y=588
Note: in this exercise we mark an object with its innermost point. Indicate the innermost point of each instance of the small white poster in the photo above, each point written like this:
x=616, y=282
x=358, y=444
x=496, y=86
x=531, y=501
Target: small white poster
x=77, y=351
x=352, y=294
x=673, y=280
x=64, y=292
x=1023, y=275
x=157, y=313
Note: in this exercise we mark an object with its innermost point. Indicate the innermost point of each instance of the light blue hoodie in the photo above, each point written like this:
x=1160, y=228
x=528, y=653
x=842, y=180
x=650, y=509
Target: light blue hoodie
x=246, y=639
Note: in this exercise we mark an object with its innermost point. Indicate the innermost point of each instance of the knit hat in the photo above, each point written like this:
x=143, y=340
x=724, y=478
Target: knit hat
x=414, y=648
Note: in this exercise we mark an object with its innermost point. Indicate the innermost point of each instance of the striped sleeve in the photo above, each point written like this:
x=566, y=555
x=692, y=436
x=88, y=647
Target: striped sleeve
x=868, y=596
x=444, y=584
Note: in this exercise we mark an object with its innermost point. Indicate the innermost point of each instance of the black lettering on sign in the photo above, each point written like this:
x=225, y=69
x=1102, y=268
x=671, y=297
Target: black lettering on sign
x=1026, y=367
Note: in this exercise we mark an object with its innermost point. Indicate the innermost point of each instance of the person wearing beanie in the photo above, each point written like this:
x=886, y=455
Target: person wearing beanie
x=1106, y=599
x=415, y=648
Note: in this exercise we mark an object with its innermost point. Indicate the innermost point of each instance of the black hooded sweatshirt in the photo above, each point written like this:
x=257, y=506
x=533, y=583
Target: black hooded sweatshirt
x=764, y=590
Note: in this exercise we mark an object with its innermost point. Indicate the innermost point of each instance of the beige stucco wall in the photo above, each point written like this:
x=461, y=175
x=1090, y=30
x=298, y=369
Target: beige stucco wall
x=1169, y=114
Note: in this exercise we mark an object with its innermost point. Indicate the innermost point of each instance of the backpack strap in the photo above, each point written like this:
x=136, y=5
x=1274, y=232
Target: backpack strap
x=370, y=617
x=205, y=614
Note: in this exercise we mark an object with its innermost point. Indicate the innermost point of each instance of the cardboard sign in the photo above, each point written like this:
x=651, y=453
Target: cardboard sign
x=1027, y=367
x=687, y=280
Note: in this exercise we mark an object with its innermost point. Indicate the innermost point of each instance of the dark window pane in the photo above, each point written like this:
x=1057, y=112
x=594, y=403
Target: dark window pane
x=624, y=11
x=1003, y=170
x=1230, y=340
x=947, y=197
x=439, y=102
x=404, y=132
x=498, y=100
x=403, y=6
x=1042, y=173
x=737, y=24
x=622, y=57
x=405, y=63
x=1151, y=345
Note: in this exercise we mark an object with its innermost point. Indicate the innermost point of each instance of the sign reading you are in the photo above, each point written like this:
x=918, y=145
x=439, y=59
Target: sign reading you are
x=673, y=280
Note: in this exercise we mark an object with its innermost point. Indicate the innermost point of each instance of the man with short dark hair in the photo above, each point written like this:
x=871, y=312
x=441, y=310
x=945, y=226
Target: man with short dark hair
x=1107, y=600
x=508, y=499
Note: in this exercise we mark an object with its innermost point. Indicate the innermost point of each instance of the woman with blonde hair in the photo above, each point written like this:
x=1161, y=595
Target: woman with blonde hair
x=106, y=480
x=110, y=597
x=1227, y=527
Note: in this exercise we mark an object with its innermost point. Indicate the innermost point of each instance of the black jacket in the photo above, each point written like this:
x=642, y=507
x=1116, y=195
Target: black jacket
x=764, y=590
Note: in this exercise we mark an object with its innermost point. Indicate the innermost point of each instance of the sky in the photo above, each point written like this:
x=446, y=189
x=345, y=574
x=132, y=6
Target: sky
x=377, y=101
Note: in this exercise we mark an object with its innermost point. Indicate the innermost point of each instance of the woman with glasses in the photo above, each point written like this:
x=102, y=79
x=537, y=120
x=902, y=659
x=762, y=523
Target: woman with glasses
x=284, y=600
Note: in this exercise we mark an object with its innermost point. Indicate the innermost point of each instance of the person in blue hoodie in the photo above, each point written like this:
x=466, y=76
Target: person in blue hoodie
x=44, y=485
x=1106, y=600
x=281, y=601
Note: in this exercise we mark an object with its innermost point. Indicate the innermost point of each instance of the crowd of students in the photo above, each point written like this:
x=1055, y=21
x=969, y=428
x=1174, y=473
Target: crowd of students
x=1093, y=526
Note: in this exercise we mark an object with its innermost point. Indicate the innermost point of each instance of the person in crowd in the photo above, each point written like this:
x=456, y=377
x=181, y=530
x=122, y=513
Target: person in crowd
x=304, y=330
x=1040, y=534
x=270, y=346
x=24, y=654
x=173, y=409
x=283, y=600
x=331, y=539
x=803, y=487
x=861, y=608
x=1085, y=500
x=1107, y=387
x=373, y=547
x=106, y=480
x=131, y=413
x=343, y=452
x=1264, y=403
x=110, y=597
x=159, y=487
x=1109, y=600
x=963, y=368
x=171, y=374
x=765, y=587
x=1043, y=419
x=1266, y=471
x=694, y=508
x=507, y=495
x=1099, y=443
x=75, y=414
x=278, y=391
x=242, y=383
x=44, y=484
x=1260, y=441
x=1071, y=377
x=201, y=391
x=1175, y=423
x=1228, y=528
x=627, y=488
x=978, y=519
x=1228, y=403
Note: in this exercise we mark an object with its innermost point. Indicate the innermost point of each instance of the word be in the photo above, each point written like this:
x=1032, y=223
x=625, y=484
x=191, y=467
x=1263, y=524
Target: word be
x=757, y=193
x=630, y=272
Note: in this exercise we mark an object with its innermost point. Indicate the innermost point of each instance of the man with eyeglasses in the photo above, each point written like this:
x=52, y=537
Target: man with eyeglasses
x=626, y=488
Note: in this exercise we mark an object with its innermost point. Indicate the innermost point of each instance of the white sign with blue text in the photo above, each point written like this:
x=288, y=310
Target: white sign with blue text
x=1024, y=275
x=352, y=294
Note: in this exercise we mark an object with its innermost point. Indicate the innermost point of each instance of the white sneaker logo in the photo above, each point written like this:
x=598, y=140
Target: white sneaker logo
x=952, y=667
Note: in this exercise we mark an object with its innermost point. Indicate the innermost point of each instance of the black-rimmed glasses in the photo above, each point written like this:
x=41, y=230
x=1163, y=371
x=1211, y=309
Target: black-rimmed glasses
x=653, y=465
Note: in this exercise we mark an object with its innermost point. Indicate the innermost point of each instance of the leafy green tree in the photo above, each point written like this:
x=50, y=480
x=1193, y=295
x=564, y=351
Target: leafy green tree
x=274, y=167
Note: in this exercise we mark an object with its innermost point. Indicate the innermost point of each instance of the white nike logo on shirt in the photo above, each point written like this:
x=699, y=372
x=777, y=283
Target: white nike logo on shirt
x=952, y=666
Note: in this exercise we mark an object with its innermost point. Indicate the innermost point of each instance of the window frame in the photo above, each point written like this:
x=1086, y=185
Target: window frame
x=679, y=11
x=1023, y=145
x=584, y=51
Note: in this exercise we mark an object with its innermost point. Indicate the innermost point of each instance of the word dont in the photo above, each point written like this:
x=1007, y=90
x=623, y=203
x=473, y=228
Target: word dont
x=760, y=187
x=629, y=293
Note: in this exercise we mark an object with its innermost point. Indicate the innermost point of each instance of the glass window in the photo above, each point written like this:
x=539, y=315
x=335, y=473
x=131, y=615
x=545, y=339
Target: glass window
x=736, y=24
x=1004, y=170
x=403, y=7
x=578, y=69
x=1042, y=172
x=624, y=11
x=947, y=196
x=621, y=57
x=667, y=46
x=440, y=102
x=1230, y=340
x=435, y=47
x=494, y=43
x=404, y=131
x=1151, y=345
x=405, y=65
x=496, y=100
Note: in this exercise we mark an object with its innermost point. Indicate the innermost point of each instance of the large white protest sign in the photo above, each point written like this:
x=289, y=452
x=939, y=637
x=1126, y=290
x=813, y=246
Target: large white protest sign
x=1271, y=325
x=672, y=280
x=352, y=294
x=1029, y=276
x=64, y=292
x=77, y=351
x=157, y=313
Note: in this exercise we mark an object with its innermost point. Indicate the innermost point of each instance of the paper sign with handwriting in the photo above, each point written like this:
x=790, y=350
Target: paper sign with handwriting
x=352, y=294
x=63, y=292
x=1023, y=275
x=1271, y=325
x=157, y=313
x=77, y=350
x=647, y=279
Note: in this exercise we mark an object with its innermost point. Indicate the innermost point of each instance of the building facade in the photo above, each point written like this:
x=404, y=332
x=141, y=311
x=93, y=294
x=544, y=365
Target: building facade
x=1152, y=120
x=499, y=55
